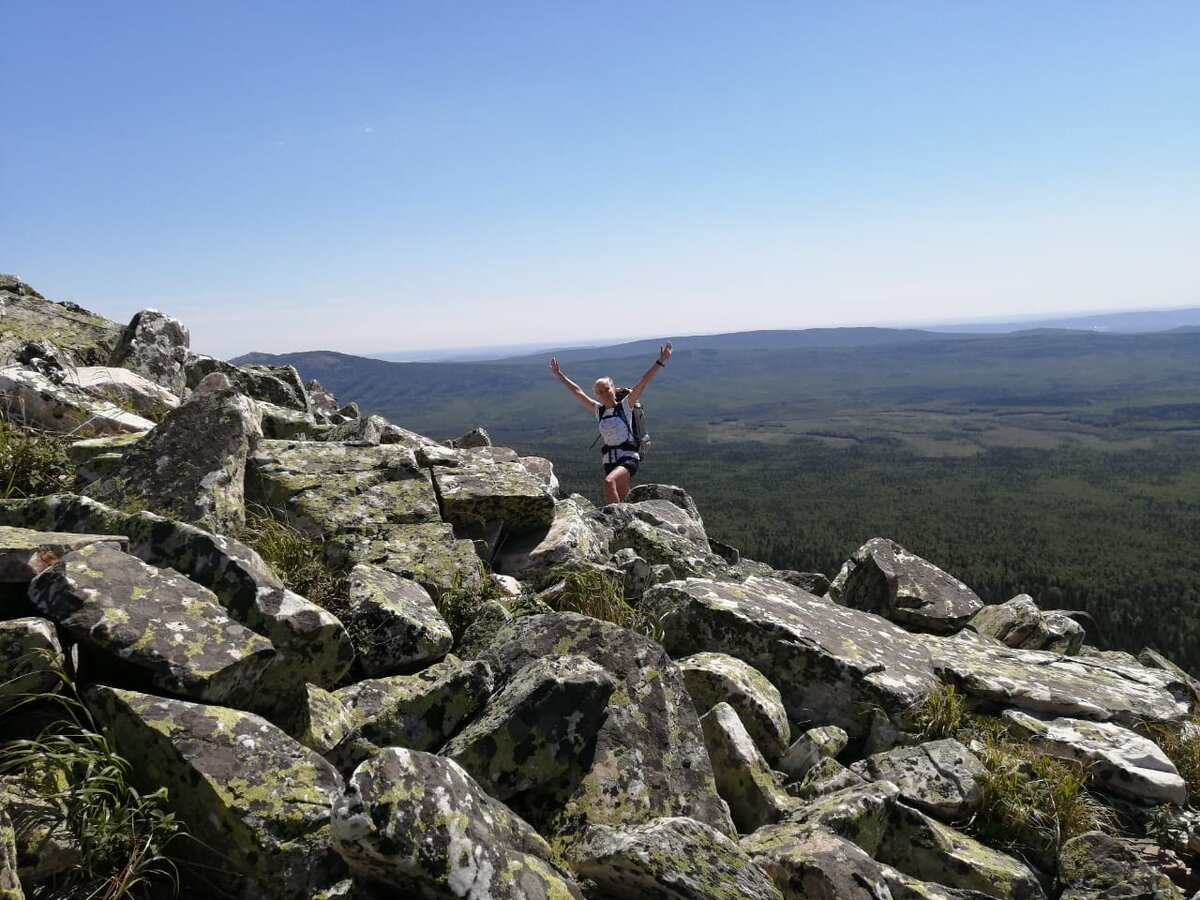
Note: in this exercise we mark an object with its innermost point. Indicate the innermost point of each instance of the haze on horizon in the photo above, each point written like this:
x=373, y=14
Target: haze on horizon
x=405, y=176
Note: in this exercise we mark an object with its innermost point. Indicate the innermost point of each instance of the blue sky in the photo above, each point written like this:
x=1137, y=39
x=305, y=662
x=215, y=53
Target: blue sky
x=389, y=176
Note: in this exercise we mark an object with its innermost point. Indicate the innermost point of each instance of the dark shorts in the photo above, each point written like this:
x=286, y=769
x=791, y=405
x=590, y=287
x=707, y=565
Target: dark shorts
x=630, y=464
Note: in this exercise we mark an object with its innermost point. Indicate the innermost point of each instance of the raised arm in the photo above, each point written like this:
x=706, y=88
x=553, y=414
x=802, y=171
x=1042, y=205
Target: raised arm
x=579, y=393
x=664, y=353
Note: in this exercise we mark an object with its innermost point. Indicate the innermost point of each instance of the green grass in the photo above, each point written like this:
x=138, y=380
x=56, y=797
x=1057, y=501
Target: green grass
x=299, y=560
x=32, y=463
x=124, y=837
x=592, y=592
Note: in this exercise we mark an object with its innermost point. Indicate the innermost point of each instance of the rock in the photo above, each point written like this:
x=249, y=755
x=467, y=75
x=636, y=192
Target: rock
x=26, y=553
x=418, y=826
x=531, y=744
x=1117, y=760
x=356, y=432
x=31, y=659
x=1095, y=865
x=1019, y=623
x=744, y=780
x=807, y=861
x=239, y=783
x=316, y=718
x=813, y=582
x=649, y=761
x=638, y=574
x=323, y=404
x=831, y=664
x=484, y=491
x=714, y=678
x=43, y=844
x=476, y=437
x=393, y=621
x=826, y=777
x=1036, y=681
x=277, y=385
x=156, y=621
x=666, y=516
x=97, y=458
x=428, y=554
x=156, y=346
x=860, y=813
x=884, y=578
x=668, y=859
x=824, y=742
x=660, y=546
x=669, y=492
x=192, y=466
x=84, y=338
x=29, y=397
x=940, y=777
x=930, y=851
x=569, y=538
x=1184, y=686
x=128, y=390
x=490, y=616
x=543, y=471
x=10, y=882
x=419, y=711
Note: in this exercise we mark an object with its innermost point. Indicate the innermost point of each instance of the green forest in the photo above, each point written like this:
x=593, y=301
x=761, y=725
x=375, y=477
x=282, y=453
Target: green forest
x=1059, y=464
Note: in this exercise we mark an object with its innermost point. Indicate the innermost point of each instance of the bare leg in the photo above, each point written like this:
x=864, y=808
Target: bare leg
x=616, y=485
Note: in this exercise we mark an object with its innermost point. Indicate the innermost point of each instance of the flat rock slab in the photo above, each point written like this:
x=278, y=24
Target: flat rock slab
x=240, y=784
x=62, y=407
x=156, y=620
x=428, y=554
x=1043, y=682
x=810, y=861
x=941, y=777
x=1118, y=761
x=25, y=553
x=831, y=664
x=486, y=492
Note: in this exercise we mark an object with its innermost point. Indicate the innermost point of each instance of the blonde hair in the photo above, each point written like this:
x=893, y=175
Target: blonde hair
x=604, y=380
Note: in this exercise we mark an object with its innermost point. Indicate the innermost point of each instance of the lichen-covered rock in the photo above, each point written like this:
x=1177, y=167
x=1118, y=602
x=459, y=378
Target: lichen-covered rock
x=831, y=664
x=429, y=554
x=638, y=574
x=85, y=338
x=245, y=789
x=31, y=658
x=416, y=825
x=884, y=578
x=192, y=466
x=28, y=396
x=808, y=861
x=26, y=553
x=278, y=385
x=476, y=437
x=667, y=516
x=1093, y=866
x=668, y=859
x=1019, y=623
x=10, y=882
x=827, y=776
x=860, y=813
x=396, y=626
x=649, y=759
x=1117, y=760
x=924, y=848
x=315, y=717
x=529, y=747
x=1185, y=685
x=478, y=636
x=359, y=432
x=1085, y=687
x=659, y=546
x=543, y=471
x=97, y=458
x=419, y=711
x=941, y=777
x=670, y=492
x=156, y=346
x=486, y=491
x=569, y=538
x=324, y=405
x=825, y=741
x=744, y=780
x=714, y=678
x=155, y=620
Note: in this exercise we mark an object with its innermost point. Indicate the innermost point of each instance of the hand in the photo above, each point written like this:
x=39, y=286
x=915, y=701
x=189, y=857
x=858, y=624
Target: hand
x=664, y=352
x=554, y=367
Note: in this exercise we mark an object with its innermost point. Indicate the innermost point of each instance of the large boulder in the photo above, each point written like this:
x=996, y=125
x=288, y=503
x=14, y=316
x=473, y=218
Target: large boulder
x=428, y=554
x=808, y=861
x=744, y=780
x=192, y=466
x=478, y=490
x=664, y=546
x=393, y=622
x=569, y=538
x=884, y=578
x=156, y=346
x=26, y=552
x=1117, y=760
x=239, y=784
x=152, y=620
x=668, y=859
x=831, y=664
x=28, y=396
x=416, y=825
x=84, y=338
x=530, y=745
x=943, y=777
x=649, y=759
x=277, y=385
x=128, y=390
x=1094, y=865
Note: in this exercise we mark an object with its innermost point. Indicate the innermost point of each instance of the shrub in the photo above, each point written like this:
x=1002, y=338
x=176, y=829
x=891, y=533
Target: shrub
x=32, y=463
x=123, y=836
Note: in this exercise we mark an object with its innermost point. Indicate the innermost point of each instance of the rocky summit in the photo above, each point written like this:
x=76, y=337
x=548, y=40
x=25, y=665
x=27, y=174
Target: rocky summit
x=315, y=654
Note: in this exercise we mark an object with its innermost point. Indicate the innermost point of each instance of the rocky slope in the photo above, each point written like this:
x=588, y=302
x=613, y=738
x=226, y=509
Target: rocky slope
x=753, y=733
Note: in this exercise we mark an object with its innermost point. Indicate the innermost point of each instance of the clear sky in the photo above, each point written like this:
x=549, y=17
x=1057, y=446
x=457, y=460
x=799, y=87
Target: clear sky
x=393, y=175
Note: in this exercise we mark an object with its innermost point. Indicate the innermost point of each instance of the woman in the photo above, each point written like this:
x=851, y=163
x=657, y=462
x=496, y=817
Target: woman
x=621, y=458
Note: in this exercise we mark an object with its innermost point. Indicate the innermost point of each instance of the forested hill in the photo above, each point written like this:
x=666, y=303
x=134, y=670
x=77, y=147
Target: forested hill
x=1064, y=464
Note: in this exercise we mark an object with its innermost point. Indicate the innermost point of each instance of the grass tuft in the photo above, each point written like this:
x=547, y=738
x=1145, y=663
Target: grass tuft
x=32, y=463
x=299, y=560
x=590, y=591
